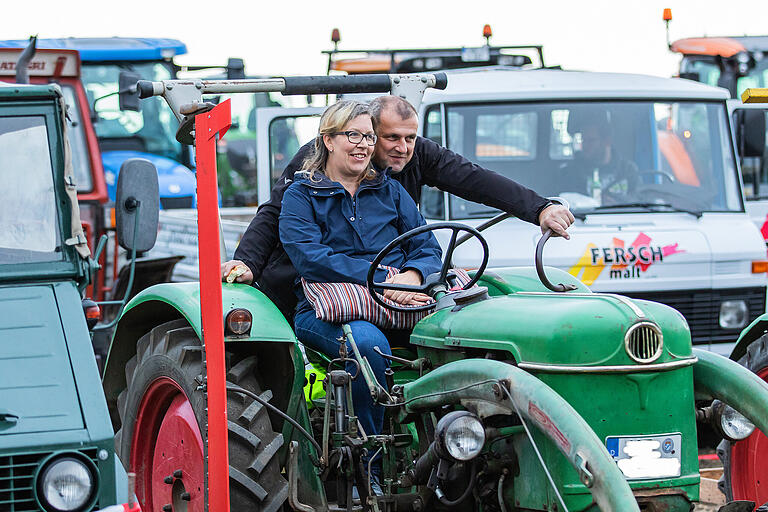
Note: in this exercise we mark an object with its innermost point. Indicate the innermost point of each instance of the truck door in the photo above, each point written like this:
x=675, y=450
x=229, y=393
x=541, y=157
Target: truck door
x=280, y=134
x=753, y=163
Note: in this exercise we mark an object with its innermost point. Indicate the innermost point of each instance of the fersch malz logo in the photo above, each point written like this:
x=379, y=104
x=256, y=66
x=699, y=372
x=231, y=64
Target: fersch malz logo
x=626, y=262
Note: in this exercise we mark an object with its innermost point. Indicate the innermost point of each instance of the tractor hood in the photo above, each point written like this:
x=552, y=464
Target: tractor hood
x=174, y=179
x=37, y=386
x=574, y=328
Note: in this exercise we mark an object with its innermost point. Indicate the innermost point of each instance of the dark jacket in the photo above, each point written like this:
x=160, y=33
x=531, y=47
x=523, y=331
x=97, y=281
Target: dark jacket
x=331, y=236
x=431, y=165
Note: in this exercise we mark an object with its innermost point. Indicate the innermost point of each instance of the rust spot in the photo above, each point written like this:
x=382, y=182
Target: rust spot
x=546, y=424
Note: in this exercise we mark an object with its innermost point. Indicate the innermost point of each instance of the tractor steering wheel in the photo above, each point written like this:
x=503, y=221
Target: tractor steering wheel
x=433, y=282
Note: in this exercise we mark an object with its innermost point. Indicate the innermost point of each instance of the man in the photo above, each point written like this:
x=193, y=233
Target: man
x=597, y=169
x=414, y=161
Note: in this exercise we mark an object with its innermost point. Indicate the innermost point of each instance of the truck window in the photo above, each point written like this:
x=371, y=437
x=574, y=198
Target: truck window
x=80, y=159
x=597, y=154
x=286, y=136
x=28, y=220
x=152, y=130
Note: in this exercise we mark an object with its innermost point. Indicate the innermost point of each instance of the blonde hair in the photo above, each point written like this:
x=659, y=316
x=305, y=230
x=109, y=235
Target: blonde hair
x=334, y=119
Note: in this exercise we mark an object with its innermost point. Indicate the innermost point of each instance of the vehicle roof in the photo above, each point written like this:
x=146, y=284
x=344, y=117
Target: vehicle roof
x=9, y=90
x=501, y=83
x=725, y=46
x=110, y=48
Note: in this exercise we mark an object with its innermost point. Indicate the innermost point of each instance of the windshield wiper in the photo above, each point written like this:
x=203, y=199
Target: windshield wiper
x=695, y=213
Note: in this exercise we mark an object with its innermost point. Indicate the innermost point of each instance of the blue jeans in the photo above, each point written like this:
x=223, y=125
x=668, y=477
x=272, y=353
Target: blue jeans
x=324, y=337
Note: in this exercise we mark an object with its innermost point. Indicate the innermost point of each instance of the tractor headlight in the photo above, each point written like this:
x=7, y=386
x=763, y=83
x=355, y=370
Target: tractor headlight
x=734, y=425
x=730, y=423
x=460, y=435
x=733, y=314
x=66, y=484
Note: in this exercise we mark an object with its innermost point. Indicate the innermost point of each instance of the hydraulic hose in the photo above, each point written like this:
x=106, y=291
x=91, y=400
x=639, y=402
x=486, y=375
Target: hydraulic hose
x=471, y=485
x=302, y=431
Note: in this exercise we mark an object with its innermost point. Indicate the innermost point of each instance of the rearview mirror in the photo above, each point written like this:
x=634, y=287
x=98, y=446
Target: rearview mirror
x=750, y=132
x=138, y=194
x=127, y=92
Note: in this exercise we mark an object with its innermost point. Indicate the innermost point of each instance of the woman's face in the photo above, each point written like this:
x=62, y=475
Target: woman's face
x=345, y=156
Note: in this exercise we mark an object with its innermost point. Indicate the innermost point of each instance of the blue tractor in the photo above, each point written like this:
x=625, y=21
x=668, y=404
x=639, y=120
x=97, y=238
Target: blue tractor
x=113, y=64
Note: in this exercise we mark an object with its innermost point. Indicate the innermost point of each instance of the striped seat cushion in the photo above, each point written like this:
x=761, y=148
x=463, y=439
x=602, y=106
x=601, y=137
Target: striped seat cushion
x=339, y=303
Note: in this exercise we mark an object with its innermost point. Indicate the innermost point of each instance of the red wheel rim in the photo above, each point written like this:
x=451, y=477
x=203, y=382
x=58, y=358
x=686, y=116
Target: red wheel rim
x=749, y=472
x=166, y=439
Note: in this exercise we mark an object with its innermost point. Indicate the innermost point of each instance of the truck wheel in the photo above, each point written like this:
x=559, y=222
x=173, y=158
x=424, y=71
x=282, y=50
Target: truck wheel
x=161, y=441
x=745, y=473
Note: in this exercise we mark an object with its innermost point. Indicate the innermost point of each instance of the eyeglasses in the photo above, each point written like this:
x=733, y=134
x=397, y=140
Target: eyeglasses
x=356, y=137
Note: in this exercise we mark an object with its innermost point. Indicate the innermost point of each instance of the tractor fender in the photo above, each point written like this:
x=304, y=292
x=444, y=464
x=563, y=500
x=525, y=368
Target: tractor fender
x=753, y=331
x=474, y=381
x=715, y=376
x=170, y=301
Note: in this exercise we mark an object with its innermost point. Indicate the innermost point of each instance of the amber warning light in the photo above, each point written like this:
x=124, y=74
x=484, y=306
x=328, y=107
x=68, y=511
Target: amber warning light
x=759, y=267
x=667, y=14
x=487, y=33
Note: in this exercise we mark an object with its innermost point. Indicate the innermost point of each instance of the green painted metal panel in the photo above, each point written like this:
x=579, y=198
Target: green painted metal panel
x=268, y=323
x=36, y=379
x=551, y=328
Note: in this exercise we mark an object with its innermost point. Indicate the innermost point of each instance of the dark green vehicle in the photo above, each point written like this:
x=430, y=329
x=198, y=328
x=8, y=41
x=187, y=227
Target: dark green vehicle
x=56, y=439
x=515, y=395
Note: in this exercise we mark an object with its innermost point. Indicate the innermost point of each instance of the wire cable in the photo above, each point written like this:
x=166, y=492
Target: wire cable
x=237, y=389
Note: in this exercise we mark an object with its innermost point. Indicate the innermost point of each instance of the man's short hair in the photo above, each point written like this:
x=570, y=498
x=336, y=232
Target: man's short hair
x=401, y=106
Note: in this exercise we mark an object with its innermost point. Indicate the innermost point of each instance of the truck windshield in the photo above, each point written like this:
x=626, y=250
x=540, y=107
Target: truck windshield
x=152, y=130
x=602, y=157
x=709, y=73
x=28, y=221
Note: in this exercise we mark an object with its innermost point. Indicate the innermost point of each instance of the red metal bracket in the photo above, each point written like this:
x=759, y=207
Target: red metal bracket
x=207, y=126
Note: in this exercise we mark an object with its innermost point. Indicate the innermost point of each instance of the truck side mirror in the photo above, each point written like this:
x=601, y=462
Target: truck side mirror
x=137, y=205
x=750, y=133
x=128, y=94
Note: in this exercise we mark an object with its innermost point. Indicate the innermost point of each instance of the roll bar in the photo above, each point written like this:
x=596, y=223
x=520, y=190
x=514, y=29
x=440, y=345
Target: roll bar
x=185, y=96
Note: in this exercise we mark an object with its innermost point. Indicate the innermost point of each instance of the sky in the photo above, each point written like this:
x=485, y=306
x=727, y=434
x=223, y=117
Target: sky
x=286, y=37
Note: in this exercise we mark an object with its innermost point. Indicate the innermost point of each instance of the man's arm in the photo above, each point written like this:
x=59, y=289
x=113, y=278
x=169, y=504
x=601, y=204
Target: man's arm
x=449, y=171
x=261, y=237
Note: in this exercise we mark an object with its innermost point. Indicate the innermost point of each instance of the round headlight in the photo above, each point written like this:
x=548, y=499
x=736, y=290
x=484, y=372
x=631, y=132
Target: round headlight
x=734, y=425
x=461, y=435
x=734, y=314
x=238, y=321
x=66, y=484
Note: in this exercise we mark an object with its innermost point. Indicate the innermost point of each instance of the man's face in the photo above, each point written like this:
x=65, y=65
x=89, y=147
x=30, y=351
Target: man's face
x=594, y=146
x=396, y=139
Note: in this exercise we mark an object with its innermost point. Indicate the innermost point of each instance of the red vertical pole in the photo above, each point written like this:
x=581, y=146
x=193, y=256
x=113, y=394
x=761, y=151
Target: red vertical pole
x=207, y=126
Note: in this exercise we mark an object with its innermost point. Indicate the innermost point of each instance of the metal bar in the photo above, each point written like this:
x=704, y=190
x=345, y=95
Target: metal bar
x=434, y=50
x=207, y=127
x=658, y=367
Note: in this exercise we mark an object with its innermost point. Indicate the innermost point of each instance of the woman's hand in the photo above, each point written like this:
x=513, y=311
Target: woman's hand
x=406, y=298
x=235, y=271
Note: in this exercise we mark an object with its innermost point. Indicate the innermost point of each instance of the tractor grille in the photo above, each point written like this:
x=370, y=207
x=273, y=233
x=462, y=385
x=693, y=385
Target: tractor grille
x=701, y=308
x=17, y=484
x=644, y=342
x=169, y=203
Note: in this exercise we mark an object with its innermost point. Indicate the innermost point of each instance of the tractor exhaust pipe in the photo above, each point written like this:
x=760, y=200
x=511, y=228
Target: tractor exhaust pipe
x=22, y=65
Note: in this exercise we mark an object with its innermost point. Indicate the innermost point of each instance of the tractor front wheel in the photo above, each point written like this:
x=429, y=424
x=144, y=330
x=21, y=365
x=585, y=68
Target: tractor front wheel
x=745, y=473
x=162, y=410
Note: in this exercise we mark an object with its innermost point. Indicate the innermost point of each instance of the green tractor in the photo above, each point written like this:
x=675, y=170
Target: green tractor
x=515, y=394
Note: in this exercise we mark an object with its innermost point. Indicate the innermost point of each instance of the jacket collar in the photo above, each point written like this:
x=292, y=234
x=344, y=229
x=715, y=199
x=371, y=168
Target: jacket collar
x=324, y=182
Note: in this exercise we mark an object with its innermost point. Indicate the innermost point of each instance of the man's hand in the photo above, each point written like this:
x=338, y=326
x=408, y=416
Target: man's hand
x=240, y=273
x=406, y=298
x=557, y=218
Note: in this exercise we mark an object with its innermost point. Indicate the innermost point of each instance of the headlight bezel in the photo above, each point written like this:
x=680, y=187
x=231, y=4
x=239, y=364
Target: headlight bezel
x=51, y=461
x=443, y=432
x=737, y=307
x=724, y=413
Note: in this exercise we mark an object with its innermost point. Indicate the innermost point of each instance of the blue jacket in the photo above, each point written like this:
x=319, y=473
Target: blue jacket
x=331, y=236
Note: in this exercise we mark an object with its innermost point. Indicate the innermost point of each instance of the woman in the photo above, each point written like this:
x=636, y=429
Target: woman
x=334, y=220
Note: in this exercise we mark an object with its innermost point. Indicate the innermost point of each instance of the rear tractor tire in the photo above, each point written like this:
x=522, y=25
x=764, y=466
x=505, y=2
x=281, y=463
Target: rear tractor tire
x=160, y=439
x=745, y=473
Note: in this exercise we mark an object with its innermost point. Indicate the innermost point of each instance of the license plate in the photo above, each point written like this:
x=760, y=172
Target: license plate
x=642, y=457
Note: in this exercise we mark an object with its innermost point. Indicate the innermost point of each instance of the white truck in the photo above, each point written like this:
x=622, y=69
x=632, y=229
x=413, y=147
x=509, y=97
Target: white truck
x=647, y=165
